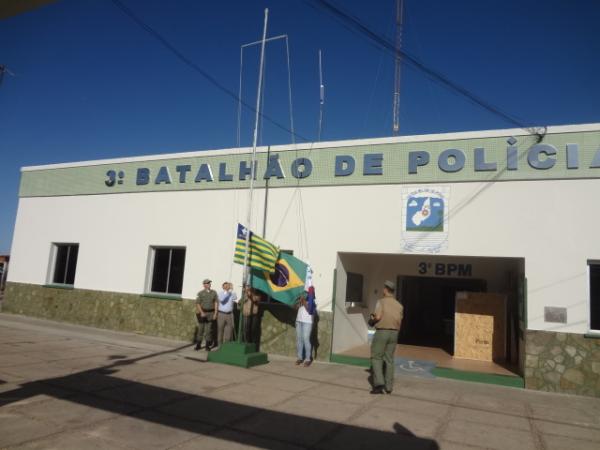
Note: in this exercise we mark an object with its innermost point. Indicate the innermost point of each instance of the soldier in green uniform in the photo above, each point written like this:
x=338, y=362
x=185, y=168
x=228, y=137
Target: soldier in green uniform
x=207, y=302
x=250, y=309
x=386, y=319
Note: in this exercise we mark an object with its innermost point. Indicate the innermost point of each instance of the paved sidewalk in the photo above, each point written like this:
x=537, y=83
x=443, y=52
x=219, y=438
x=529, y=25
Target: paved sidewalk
x=72, y=387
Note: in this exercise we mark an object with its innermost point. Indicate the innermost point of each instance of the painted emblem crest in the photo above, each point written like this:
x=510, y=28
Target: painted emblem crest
x=425, y=219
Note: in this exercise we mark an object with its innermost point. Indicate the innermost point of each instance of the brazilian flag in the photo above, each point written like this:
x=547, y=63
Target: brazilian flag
x=286, y=284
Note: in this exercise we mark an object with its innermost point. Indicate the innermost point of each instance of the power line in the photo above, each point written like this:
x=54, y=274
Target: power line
x=354, y=24
x=155, y=34
x=3, y=70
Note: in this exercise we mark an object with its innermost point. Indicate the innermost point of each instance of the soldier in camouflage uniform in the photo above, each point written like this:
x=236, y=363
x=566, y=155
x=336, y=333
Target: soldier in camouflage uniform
x=207, y=303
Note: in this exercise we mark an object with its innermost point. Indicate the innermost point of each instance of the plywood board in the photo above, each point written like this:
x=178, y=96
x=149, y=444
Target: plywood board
x=480, y=326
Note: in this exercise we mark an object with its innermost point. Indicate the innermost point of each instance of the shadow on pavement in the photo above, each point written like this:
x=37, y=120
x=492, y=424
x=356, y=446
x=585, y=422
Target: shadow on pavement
x=193, y=413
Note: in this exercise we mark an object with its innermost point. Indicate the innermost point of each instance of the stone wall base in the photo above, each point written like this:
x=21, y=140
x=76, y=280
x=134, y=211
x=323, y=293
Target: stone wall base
x=562, y=362
x=174, y=319
x=557, y=362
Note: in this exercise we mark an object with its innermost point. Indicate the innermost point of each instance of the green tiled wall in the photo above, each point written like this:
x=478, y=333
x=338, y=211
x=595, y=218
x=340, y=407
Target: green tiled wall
x=91, y=179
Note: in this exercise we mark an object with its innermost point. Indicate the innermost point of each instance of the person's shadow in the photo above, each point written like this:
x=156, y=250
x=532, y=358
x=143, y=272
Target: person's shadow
x=103, y=389
x=314, y=335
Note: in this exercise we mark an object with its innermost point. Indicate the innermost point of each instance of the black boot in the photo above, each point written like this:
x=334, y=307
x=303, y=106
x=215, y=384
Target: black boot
x=198, y=345
x=377, y=390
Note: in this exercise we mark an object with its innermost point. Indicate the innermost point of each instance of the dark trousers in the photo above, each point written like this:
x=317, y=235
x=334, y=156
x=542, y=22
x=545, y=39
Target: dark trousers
x=251, y=329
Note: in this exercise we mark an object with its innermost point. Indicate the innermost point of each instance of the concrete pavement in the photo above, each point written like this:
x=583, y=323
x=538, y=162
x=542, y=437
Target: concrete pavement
x=66, y=386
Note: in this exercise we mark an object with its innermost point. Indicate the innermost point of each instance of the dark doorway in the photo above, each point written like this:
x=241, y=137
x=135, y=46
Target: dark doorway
x=429, y=309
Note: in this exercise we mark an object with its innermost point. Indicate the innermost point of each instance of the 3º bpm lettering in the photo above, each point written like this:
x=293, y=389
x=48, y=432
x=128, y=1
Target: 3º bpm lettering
x=445, y=269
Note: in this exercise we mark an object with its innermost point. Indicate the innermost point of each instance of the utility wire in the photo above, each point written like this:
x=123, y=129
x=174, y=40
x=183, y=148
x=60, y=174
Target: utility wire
x=155, y=34
x=376, y=80
x=213, y=81
x=353, y=23
x=420, y=51
x=3, y=70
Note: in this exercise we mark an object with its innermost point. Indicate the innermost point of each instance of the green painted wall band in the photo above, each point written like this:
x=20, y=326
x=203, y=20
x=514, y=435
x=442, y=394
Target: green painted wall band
x=388, y=163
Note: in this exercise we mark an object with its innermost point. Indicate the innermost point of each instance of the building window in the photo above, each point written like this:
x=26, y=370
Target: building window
x=594, y=270
x=354, y=287
x=167, y=270
x=65, y=263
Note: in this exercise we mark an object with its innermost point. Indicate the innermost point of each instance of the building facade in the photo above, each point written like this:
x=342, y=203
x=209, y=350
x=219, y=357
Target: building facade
x=125, y=243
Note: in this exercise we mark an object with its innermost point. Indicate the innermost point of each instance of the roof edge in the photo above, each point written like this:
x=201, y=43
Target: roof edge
x=328, y=144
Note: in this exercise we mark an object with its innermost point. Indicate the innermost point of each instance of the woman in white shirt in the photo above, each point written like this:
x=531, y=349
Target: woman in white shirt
x=304, y=323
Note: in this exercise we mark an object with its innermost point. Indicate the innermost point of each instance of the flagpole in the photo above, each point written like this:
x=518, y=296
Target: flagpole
x=247, y=280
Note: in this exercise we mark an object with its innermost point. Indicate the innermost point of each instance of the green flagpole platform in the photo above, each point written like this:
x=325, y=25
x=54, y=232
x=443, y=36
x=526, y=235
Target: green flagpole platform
x=239, y=354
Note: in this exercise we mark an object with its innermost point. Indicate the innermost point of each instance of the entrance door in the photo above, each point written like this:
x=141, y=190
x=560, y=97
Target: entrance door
x=429, y=305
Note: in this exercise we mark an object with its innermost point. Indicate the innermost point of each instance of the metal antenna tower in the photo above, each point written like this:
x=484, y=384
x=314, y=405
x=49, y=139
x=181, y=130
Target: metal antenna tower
x=396, y=110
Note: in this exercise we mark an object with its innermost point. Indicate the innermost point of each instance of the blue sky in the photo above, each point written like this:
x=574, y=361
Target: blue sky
x=91, y=84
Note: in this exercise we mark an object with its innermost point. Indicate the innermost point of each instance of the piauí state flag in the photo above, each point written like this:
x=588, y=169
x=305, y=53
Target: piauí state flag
x=262, y=255
x=286, y=284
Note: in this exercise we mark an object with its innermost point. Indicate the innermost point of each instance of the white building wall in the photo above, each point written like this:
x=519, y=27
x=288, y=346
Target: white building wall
x=549, y=223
